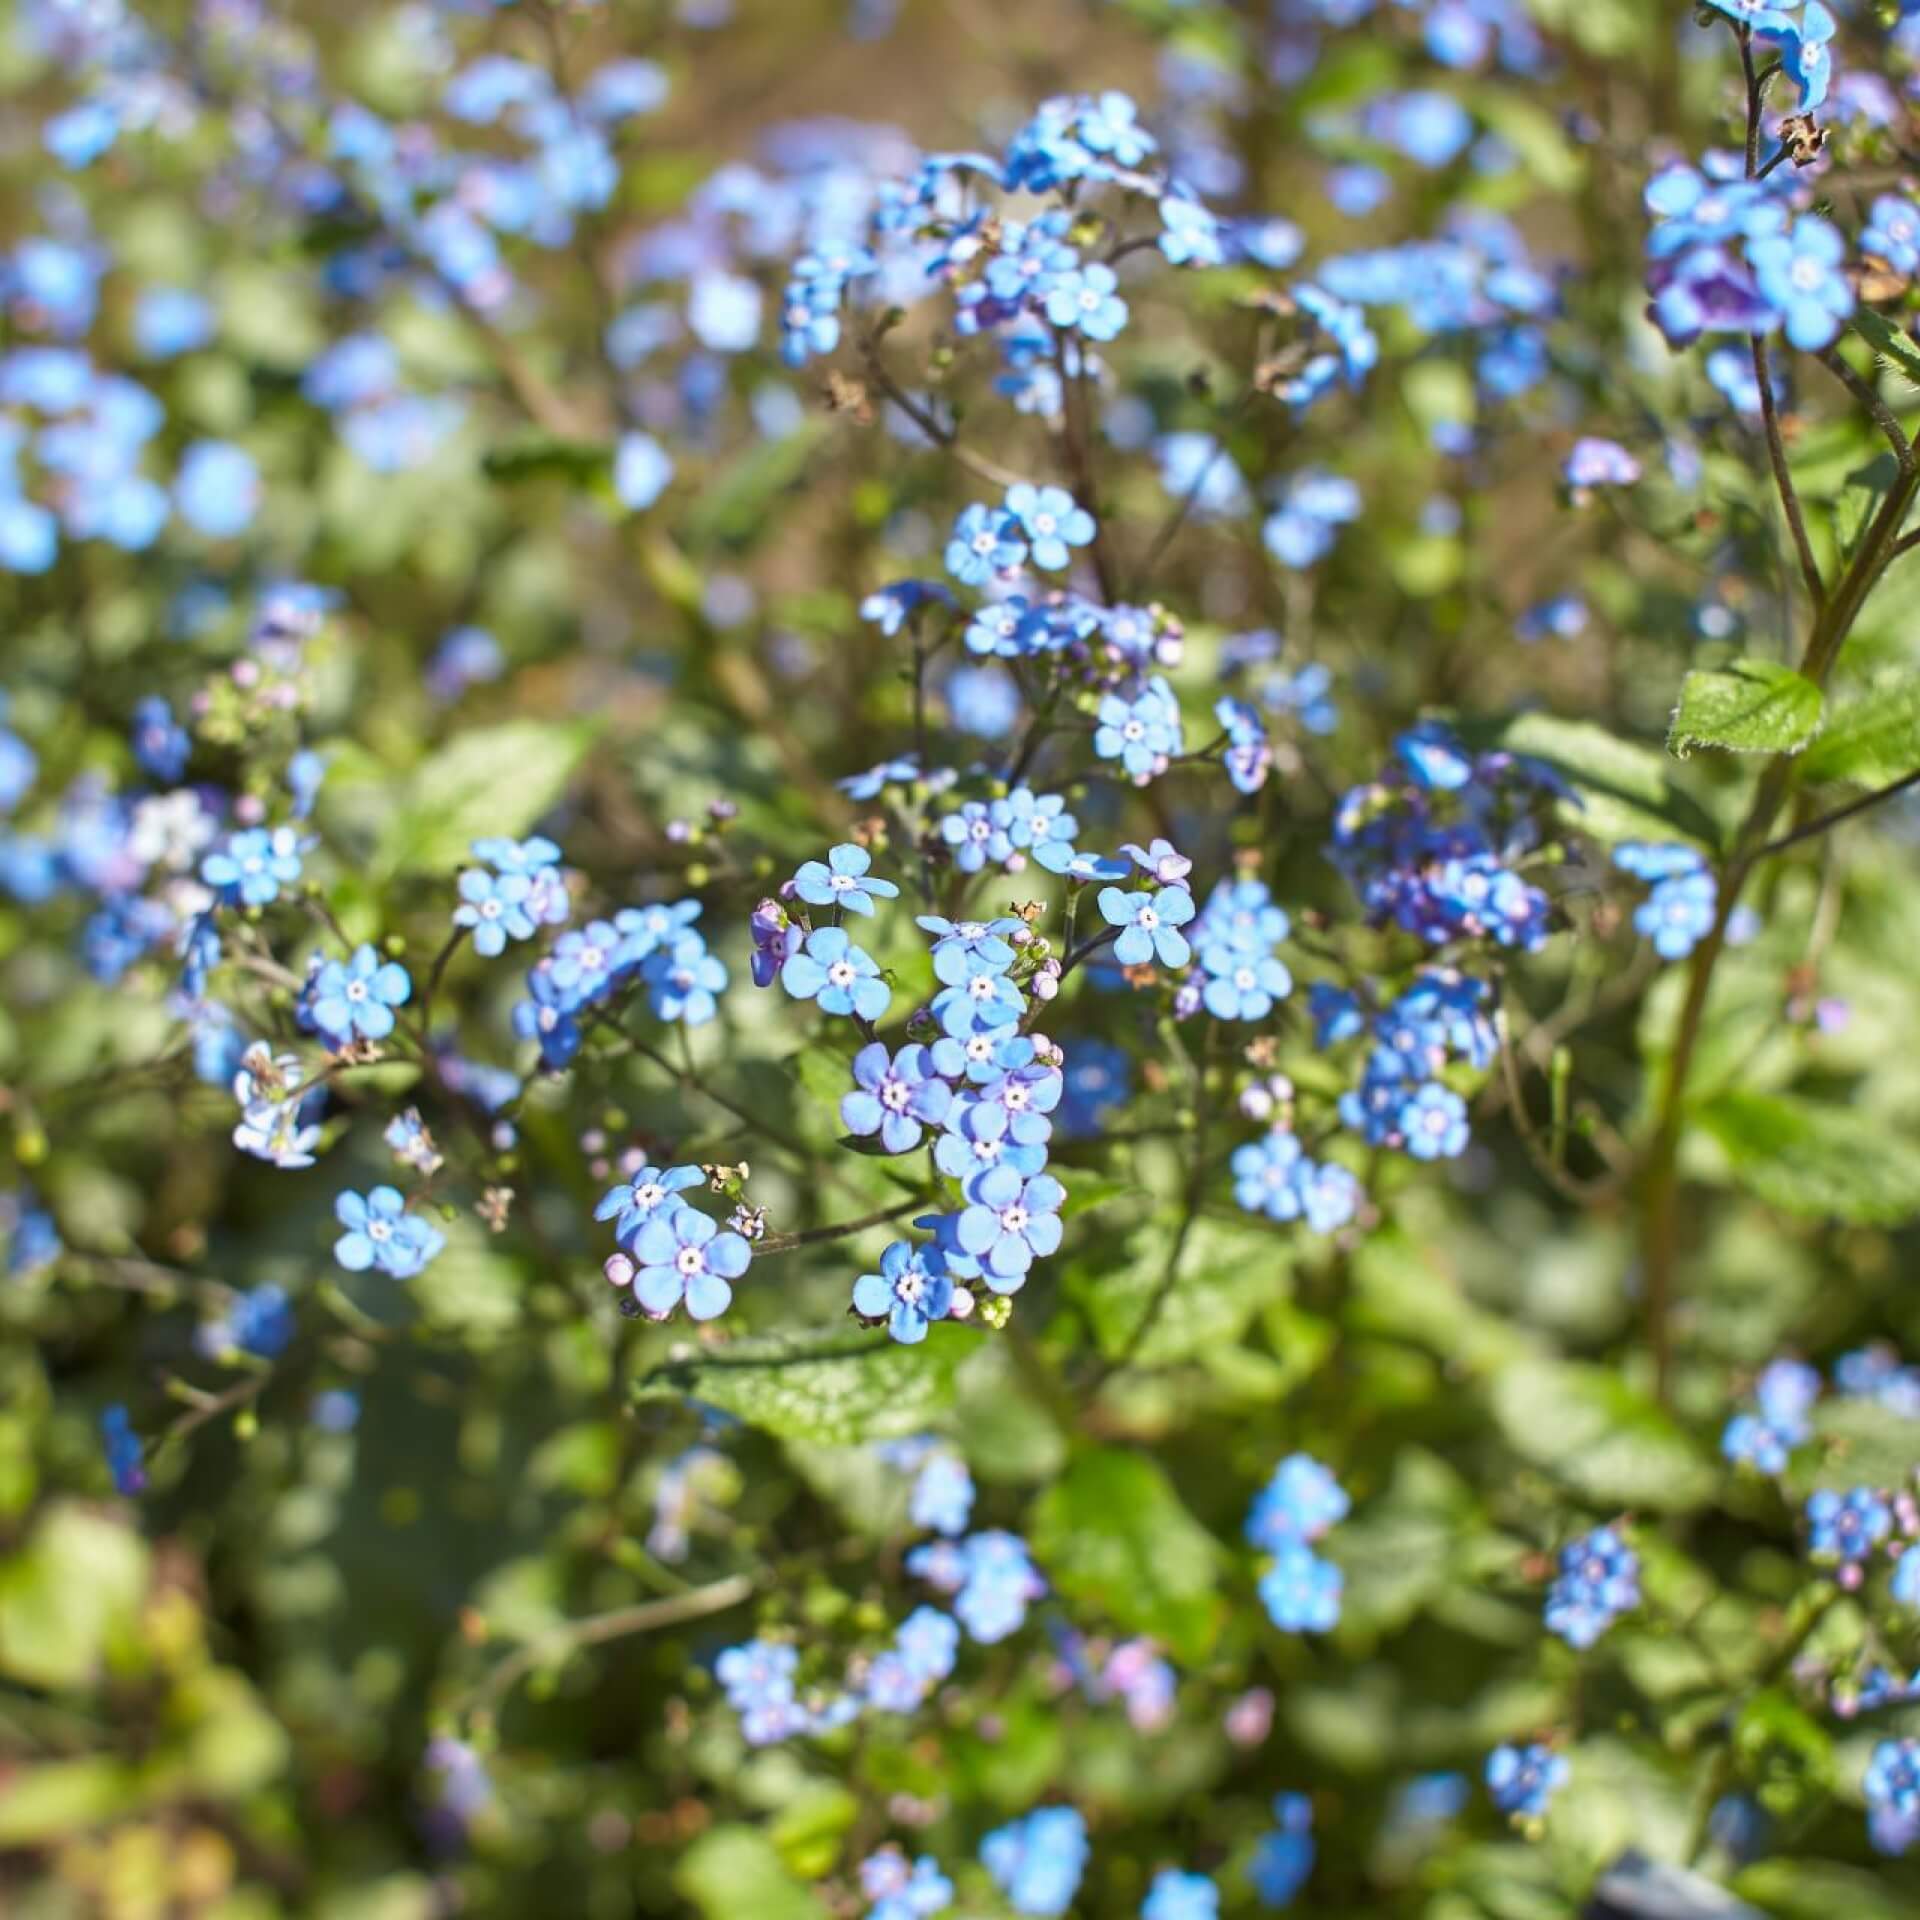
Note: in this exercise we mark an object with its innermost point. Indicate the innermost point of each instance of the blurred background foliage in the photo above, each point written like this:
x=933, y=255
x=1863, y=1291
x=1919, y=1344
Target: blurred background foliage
x=219, y=1701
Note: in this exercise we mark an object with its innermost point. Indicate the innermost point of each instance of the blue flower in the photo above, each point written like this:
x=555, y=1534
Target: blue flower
x=381, y=1233
x=217, y=489
x=870, y=784
x=1038, y=824
x=1599, y=1579
x=1150, y=924
x=642, y=468
x=123, y=1450
x=911, y=1290
x=981, y=1000
x=943, y=1496
x=355, y=1000
x=757, y=1679
x=1523, y=1779
x=681, y=1255
x=160, y=742
x=1142, y=733
x=842, y=881
x=1241, y=986
x=1434, y=1120
x=260, y=1322
x=254, y=865
x=840, y=977
x=1037, y=1862
x=1802, y=275
x=1892, y=233
x=684, y=981
x=1298, y=1504
x=900, y=1891
x=895, y=1096
x=891, y=607
x=1190, y=234
x=958, y=942
x=1891, y=1787
x=1283, y=1861
x=1181, y=1896
x=1004, y=628
x=985, y=541
x=546, y=1016
x=1011, y=1223
x=1594, y=462
x=644, y=931
x=1846, y=1527
x=978, y=1138
x=977, y=833
x=1804, y=56
x=1301, y=1592
x=1247, y=756
x=1026, y=1090
x=1083, y=300
x=651, y=1190
x=1053, y=522
x=583, y=960
x=494, y=906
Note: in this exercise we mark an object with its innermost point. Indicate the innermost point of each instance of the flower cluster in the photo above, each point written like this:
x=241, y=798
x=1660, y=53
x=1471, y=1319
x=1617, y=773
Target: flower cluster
x=1598, y=1581
x=1523, y=1780
x=1300, y=1591
x=1432, y=845
x=1727, y=254
x=1678, y=911
x=673, y=1254
x=1037, y=1862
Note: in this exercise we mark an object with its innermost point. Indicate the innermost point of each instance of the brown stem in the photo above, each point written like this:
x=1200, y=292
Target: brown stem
x=1783, y=478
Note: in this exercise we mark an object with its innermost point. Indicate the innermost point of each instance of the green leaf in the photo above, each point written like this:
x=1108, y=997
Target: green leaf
x=810, y=1828
x=738, y=503
x=1752, y=706
x=1594, y=1432
x=77, y=1584
x=1888, y=341
x=1860, y=499
x=1823, y=1161
x=66, y=1796
x=1874, y=739
x=1818, y=1889
x=1857, y=1443
x=1626, y=791
x=1226, y=1274
x=496, y=780
x=731, y=1871
x=834, y=1386
x=1113, y=1534
x=1400, y=1549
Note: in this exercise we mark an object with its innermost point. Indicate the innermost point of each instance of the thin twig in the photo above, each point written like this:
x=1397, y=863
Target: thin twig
x=1863, y=391
x=597, y=1629
x=1816, y=827
x=942, y=436
x=838, y=1230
